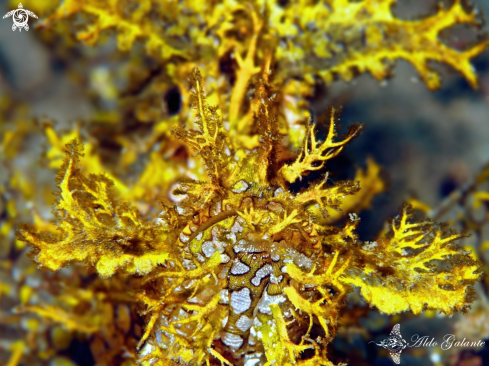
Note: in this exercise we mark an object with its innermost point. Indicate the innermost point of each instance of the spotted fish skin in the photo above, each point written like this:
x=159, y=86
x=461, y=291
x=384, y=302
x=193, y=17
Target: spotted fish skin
x=255, y=267
x=254, y=261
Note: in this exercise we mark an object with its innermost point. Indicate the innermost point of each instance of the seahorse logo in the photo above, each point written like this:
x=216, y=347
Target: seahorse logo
x=394, y=343
x=20, y=18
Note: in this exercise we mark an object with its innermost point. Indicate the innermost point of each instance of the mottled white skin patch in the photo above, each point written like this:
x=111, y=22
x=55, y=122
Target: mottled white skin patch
x=252, y=337
x=242, y=246
x=215, y=232
x=188, y=264
x=224, y=273
x=208, y=249
x=224, y=296
x=263, y=272
x=237, y=227
x=195, y=300
x=250, y=247
x=148, y=348
x=225, y=321
x=181, y=210
x=231, y=236
x=240, y=186
x=241, y=300
x=216, y=209
x=200, y=257
x=183, y=238
x=302, y=261
x=232, y=340
x=162, y=222
x=225, y=258
x=275, y=257
x=239, y=268
x=219, y=245
x=370, y=246
x=244, y=323
x=276, y=280
x=263, y=305
x=278, y=192
x=239, y=247
x=254, y=361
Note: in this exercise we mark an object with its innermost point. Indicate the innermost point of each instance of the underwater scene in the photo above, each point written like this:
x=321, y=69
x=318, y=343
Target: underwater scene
x=244, y=183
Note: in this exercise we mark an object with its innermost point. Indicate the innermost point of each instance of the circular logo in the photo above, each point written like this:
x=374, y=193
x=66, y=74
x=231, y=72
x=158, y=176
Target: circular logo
x=20, y=18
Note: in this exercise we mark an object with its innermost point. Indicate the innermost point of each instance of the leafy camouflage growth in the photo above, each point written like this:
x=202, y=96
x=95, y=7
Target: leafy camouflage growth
x=330, y=39
x=417, y=267
x=333, y=37
x=343, y=37
x=95, y=228
x=210, y=140
x=238, y=268
x=371, y=183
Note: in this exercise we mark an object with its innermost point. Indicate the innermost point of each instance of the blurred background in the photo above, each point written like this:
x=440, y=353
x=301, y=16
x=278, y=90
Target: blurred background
x=428, y=144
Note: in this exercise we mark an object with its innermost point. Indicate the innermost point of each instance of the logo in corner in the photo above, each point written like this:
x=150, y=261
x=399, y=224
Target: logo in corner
x=20, y=17
x=394, y=343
